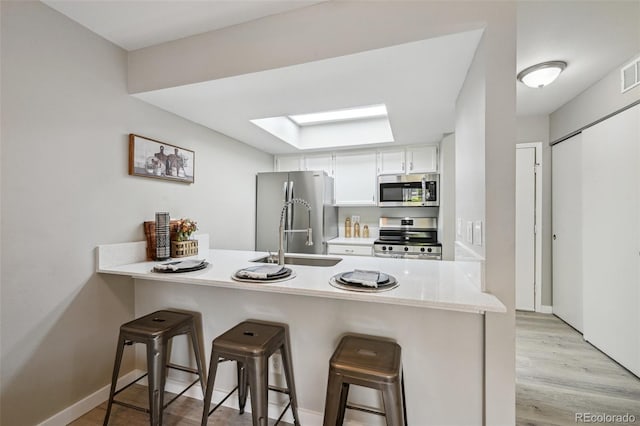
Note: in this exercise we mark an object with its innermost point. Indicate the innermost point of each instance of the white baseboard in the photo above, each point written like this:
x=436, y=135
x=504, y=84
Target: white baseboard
x=87, y=404
x=71, y=413
x=546, y=309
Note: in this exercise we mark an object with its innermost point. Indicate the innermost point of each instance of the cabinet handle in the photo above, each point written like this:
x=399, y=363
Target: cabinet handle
x=403, y=166
x=411, y=166
x=348, y=250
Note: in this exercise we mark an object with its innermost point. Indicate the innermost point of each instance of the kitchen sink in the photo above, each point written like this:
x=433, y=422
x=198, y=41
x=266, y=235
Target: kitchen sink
x=301, y=260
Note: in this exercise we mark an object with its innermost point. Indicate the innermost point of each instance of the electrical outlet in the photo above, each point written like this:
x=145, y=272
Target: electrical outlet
x=276, y=363
x=470, y=232
x=355, y=219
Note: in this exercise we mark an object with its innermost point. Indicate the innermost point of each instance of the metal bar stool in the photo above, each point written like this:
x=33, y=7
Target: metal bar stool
x=250, y=344
x=155, y=330
x=370, y=362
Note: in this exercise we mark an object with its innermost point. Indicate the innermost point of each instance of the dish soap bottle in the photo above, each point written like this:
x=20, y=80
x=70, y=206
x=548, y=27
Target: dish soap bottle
x=347, y=227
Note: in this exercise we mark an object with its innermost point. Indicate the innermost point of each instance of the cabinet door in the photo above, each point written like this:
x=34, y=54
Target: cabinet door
x=391, y=162
x=289, y=163
x=350, y=250
x=566, y=196
x=355, y=178
x=319, y=162
x=422, y=159
x=611, y=219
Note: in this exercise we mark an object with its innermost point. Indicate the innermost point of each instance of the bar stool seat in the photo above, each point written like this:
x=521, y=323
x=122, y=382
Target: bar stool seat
x=250, y=344
x=369, y=362
x=155, y=330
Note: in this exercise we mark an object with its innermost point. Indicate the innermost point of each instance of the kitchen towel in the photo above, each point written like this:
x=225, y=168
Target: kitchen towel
x=362, y=277
x=261, y=272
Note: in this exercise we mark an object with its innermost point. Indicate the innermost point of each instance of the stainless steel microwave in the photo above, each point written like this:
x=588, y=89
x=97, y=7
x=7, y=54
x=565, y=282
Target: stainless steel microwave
x=413, y=190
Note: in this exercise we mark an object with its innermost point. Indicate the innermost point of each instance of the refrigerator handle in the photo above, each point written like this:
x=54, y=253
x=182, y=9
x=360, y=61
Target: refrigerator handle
x=290, y=209
x=284, y=191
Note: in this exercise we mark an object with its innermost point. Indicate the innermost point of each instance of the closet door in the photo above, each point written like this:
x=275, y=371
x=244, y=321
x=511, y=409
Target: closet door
x=566, y=213
x=611, y=231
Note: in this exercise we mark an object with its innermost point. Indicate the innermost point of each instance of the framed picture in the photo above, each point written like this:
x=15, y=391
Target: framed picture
x=155, y=159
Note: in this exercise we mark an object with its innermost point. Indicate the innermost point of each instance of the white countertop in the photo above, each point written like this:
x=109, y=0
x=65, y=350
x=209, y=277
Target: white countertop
x=422, y=283
x=352, y=241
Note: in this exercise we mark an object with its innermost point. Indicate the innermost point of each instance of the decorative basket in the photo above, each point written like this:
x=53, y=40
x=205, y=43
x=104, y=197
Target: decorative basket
x=150, y=234
x=184, y=248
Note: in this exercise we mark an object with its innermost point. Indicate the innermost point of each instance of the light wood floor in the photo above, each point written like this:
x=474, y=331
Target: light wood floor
x=558, y=374
x=184, y=411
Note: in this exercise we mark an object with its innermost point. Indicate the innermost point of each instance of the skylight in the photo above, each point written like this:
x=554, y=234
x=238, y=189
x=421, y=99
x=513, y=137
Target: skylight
x=359, y=113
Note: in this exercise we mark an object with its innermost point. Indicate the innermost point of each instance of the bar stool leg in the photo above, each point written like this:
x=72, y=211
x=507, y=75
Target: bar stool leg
x=404, y=402
x=156, y=366
x=393, y=407
x=243, y=386
x=285, y=352
x=196, y=350
x=331, y=407
x=114, y=377
x=213, y=367
x=259, y=386
x=344, y=395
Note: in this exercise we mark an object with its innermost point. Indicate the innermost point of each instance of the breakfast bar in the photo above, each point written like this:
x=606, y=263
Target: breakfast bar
x=436, y=314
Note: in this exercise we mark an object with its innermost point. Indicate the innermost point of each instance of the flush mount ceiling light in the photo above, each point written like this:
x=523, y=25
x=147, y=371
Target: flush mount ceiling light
x=540, y=75
x=371, y=111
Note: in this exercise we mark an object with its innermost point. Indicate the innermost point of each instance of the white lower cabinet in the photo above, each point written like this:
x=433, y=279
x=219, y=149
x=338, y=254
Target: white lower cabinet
x=611, y=236
x=354, y=250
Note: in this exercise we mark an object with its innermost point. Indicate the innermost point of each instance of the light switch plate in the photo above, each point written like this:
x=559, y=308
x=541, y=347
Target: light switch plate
x=459, y=227
x=470, y=232
x=477, y=233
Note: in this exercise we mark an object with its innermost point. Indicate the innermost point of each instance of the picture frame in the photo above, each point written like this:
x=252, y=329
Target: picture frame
x=159, y=160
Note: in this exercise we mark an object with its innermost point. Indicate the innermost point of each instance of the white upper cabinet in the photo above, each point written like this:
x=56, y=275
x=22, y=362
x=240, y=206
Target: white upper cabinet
x=319, y=162
x=391, y=161
x=355, y=178
x=422, y=159
x=412, y=159
x=289, y=163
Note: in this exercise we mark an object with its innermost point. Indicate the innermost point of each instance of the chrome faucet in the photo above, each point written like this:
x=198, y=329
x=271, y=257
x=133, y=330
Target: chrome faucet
x=286, y=206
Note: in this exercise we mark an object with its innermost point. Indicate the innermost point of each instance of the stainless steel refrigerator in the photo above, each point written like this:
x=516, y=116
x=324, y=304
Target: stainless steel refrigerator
x=274, y=189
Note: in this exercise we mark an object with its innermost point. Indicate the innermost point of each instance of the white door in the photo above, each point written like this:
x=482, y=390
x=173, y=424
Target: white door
x=525, y=225
x=566, y=199
x=611, y=225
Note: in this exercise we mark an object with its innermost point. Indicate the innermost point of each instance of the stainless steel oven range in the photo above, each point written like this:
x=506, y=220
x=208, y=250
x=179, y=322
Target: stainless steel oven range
x=409, y=238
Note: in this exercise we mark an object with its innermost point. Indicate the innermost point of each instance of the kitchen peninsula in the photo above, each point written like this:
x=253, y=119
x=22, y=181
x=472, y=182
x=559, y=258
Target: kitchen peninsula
x=435, y=314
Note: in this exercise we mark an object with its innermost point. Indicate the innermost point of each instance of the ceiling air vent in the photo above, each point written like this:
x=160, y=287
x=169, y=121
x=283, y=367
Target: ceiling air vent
x=630, y=75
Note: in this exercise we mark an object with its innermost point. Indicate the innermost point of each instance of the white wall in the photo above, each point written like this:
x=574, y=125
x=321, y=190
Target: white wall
x=447, y=211
x=66, y=115
x=485, y=128
x=535, y=128
x=470, y=144
x=597, y=101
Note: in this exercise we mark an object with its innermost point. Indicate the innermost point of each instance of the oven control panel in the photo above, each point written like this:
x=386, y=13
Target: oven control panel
x=408, y=251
